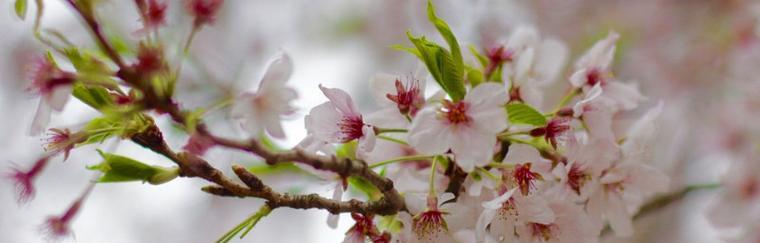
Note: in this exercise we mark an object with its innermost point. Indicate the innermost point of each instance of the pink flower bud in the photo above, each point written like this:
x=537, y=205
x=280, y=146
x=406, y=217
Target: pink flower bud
x=24, y=180
x=57, y=227
x=155, y=14
x=204, y=11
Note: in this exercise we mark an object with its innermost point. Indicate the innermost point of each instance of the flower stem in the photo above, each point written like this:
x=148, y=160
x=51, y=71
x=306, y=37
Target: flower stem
x=395, y=140
x=389, y=130
x=400, y=159
x=431, y=192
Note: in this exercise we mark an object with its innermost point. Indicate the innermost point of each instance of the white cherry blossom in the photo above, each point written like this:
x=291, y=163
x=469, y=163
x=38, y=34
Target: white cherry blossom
x=467, y=127
x=264, y=109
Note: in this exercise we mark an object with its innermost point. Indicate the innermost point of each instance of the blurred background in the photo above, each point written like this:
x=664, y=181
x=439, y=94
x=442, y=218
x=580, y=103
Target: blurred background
x=699, y=56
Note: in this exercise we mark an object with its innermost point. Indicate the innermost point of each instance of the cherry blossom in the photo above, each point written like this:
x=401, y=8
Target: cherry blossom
x=429, y=224
x=204, y=11
x=24, y=180
x=594, y=68
x=264, y=109
x=537, y=63
x=338, y=121
x=739, y=201
x=467, y=127
x=53, y=85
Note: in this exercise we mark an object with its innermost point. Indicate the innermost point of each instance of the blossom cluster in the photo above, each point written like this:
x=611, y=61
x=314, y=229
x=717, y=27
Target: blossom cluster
x=477, y=157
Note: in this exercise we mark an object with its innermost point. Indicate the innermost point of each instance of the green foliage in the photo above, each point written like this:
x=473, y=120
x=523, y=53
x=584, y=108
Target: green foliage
x=474, y=76
x=483, y=60
x=347, y=150
x=446, y=66
x=118, y=168
x=441, y=66
x=114, y=124
x=20, y=6
x=365, y=187
x=247, y=225
x=445, y=31
x=90, y=69
x=389, y=223
x=95, y=97
x=520, y=113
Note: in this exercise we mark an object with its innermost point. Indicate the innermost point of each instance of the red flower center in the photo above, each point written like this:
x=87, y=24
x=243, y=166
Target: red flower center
x=594, y=76
x=525, y=177
x=576, y=178
x=556, y=129
x=455, y=112
x=545, y=232
x=428, y=224
x=351, y=128
x=407, y=98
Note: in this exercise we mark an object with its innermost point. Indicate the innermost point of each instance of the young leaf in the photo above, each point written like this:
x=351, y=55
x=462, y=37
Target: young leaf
x=246, y=225
x=441, y=66
x=411, y=50
x=474, y=76
x=20, y=7
x=118, y=168
x=364, y=186
x=520, y=113
x=483, y=60
x=95, y=97
x=445, y=31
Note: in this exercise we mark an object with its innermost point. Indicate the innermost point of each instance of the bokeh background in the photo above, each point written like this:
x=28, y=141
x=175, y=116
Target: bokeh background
x=698, y=56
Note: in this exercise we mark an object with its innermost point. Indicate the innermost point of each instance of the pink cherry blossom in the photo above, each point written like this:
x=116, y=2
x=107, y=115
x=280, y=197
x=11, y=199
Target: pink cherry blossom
x=537, y=64
x=623, y=188
x=53, y=85
x=338, y=121
x=264, y=109
x=24, y=180
x=594, y=68
x=739, y=201
x=429, y=224
x=468, y=127
x=571, y=224
x=204, y=11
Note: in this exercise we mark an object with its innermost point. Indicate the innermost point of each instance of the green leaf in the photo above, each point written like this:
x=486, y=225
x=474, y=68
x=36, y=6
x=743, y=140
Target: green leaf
x=95, y=97
x=118, y=168
x=364, y=186
x=347, y=150
x=441, y=66
x=520, y=113
x=265, y=169
x=474, y=76
x=114, y=124
x=483, y=60
x=20, y=7
x=411, y=50
x=89, y=68
x=390, y=223
x=445, y=31
x=246, y=225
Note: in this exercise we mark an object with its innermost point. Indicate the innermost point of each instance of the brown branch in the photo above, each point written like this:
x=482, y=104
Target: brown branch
x=194, y=166
x=343, y=167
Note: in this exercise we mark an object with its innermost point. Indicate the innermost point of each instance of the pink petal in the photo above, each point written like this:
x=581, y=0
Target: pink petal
x=277, y=73
x=429, y=135
x=341, y=100
x=41, y=118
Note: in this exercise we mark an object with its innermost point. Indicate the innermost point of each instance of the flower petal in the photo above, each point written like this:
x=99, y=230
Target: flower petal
x=277, y=73
x=341, y=100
